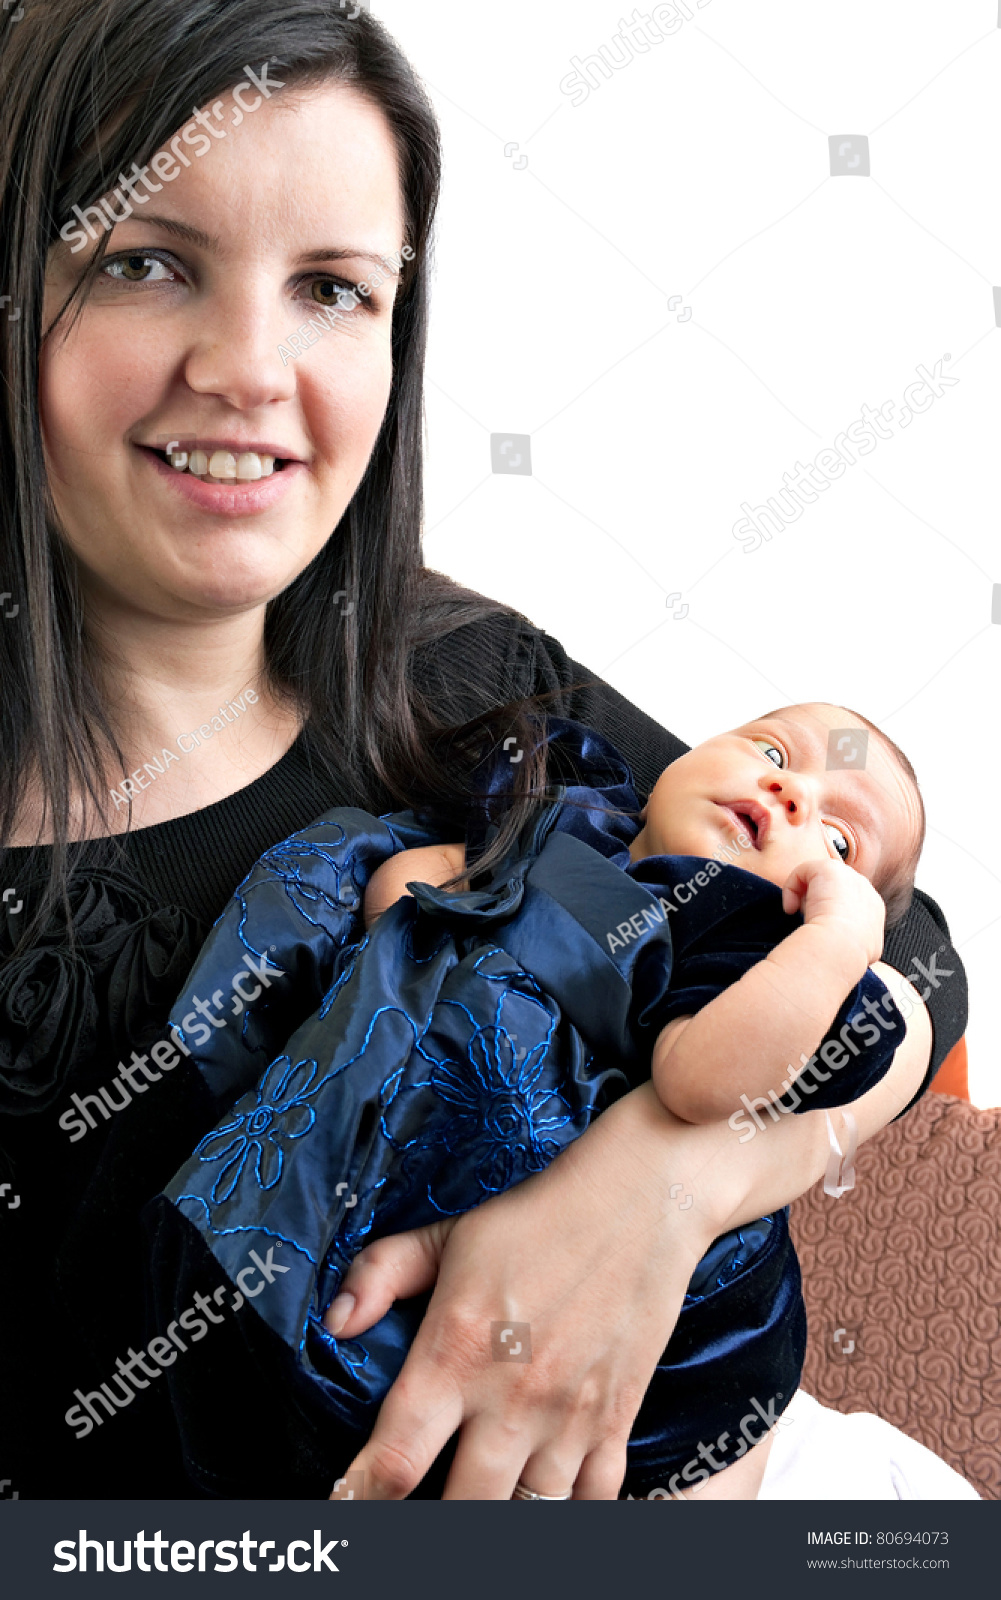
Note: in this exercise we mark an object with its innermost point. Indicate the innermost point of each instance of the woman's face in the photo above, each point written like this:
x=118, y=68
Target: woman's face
x=179, y=341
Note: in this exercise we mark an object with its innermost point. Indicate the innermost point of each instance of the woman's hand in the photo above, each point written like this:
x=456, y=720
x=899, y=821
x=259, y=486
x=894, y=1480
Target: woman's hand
x=585, y=1268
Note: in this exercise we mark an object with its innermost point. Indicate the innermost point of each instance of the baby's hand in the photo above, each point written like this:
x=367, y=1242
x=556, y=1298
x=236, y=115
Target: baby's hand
x=832, y=895
x=433, y=864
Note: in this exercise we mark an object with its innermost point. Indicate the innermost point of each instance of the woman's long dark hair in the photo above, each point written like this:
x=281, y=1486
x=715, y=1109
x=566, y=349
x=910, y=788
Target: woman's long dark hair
x=87, y=87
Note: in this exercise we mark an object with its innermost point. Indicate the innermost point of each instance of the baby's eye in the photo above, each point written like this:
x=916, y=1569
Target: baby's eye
x=772, y=751
x=136, y=269
x=838, y=839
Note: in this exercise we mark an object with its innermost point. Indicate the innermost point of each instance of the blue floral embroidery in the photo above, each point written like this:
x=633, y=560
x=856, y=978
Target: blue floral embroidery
x=285, y=864
x=277, y=1108
x=502, y=1119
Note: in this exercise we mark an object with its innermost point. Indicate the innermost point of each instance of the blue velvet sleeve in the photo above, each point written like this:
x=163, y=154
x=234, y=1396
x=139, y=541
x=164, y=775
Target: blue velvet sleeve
x=723, y=920
x=856, y=1051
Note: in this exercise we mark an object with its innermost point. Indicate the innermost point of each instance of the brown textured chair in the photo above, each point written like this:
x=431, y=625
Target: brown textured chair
x=902, y=1281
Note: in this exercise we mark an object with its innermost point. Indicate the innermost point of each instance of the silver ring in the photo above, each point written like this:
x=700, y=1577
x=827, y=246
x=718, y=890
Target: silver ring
x=523, y=1492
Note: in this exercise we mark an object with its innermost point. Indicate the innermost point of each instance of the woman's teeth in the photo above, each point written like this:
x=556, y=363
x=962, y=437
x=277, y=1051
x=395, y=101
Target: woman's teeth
x=222, y=465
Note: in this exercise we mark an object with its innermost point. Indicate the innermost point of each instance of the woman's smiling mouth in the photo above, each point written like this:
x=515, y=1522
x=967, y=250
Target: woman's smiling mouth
x=224, y=476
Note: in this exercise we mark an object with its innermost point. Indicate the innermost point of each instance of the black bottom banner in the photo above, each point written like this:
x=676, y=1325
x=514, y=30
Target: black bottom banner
x=521, y=1551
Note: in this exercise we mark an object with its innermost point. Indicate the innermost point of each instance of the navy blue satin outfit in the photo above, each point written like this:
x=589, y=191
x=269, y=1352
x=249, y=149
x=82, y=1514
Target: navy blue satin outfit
x=379, y=1082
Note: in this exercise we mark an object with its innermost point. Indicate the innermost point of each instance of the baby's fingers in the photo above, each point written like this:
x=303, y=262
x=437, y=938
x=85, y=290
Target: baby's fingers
x=795, y=887
x=395, y=1268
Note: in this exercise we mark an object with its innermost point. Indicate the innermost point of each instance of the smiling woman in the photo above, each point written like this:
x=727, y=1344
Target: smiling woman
x=162, y=341
x=183, y=511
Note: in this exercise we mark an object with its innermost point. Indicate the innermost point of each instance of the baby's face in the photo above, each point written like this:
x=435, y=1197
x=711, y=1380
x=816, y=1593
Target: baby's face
x=768, y=784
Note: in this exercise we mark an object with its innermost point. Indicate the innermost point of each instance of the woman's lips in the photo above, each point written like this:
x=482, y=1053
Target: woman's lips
x=224, y=499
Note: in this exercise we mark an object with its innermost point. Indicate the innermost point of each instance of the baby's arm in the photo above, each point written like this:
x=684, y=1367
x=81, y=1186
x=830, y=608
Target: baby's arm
x=433, y=863
x=745, y=1040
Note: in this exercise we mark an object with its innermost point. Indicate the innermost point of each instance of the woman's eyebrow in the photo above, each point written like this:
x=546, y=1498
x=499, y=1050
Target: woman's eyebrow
x=180, y=230
x=206, y=241
x=338, y=253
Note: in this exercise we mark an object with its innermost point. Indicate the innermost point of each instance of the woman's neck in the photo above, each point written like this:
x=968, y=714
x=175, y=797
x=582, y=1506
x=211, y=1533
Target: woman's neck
x=194, y=716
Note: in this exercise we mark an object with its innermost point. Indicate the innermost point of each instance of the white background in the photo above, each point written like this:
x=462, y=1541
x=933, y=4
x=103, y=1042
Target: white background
x=701, y=169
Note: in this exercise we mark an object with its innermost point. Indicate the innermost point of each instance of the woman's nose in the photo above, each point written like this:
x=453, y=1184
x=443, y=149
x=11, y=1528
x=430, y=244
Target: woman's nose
x=235, y=356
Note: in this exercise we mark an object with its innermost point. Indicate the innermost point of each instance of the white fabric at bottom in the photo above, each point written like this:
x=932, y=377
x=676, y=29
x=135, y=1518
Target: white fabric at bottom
x=822, y=1454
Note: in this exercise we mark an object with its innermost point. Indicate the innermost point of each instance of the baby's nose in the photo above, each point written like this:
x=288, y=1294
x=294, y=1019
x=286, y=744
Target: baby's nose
x=792, y=797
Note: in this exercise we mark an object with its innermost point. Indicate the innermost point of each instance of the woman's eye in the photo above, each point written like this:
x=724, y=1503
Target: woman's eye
x=328, y=292
x=772, y=751
x=838, y=839
x=138, y=269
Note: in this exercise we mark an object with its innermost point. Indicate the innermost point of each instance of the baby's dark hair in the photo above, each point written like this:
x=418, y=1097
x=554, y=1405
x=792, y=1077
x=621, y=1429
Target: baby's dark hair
x=895, y=882
x=897, y=888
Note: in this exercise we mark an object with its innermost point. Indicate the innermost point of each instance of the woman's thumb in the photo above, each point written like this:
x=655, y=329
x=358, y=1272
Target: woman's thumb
x=394, y=1268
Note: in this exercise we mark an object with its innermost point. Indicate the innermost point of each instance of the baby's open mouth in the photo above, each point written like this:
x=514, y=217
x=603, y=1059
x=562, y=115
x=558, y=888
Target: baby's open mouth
x=221, y=466
x=748, y=818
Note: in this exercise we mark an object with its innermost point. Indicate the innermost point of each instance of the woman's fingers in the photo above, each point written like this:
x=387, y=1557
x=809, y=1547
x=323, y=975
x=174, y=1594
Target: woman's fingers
x=601, y=1473
x=491, y=1459
x=391, y=1269
x=418, y=1417
x=488, y=1461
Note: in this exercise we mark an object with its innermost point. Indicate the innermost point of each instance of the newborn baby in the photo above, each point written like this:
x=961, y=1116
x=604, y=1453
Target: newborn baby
x=419, y=1049
x=765, y=796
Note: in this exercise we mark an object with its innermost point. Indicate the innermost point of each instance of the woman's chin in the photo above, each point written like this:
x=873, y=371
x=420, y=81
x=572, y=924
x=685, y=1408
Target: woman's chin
x=236, y=584
x=225, y=596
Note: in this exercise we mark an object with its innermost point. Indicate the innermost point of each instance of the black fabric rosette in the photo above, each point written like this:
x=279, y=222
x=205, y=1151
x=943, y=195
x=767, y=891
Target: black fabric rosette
x=100, y=981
